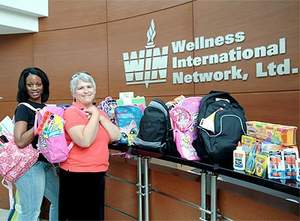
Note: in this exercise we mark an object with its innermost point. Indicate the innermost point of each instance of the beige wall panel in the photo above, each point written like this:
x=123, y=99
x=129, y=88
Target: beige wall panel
x=4, y=200
x=121, y=196
x=7, y=108
x=240, y=207
x=264, y=23
x=111, y=214
x=125, y=169
x=16, y=46
x=234, y=202
x=62, y=53
x=67, y=14
x=163, y=208
x=15, y=54
x=177, y=185
x=172, y=184
x=120, y=9
x=130, y=35
x=275, y=107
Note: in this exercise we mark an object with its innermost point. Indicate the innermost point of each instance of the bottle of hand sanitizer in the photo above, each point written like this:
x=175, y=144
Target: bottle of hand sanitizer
x=239, y=158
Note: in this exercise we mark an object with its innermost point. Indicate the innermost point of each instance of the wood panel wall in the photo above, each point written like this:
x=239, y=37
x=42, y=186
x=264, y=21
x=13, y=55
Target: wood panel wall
x=92, y=35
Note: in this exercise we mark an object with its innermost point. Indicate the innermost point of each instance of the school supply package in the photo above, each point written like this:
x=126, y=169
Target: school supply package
x=266, y=159
x=128, y=98
x=274, y=133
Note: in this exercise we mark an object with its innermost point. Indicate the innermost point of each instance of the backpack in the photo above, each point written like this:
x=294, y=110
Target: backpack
x=184, y=121
x=14, y=161
x=49, y=126
x=108, y=105
x=155, y=132
x=221, y=123
x=128, y=119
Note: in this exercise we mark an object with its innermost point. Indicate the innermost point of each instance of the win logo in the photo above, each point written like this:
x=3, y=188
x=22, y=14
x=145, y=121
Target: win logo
x=148, y=65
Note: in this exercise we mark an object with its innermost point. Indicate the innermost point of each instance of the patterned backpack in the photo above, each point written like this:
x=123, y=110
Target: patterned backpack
x=108, y=105
x=49, y=125
x=128, y=119
x=14, y=161
x=184, y=121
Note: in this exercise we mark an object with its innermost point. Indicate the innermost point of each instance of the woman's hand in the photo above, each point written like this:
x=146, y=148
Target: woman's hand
x=92, y=111
x=84, y=135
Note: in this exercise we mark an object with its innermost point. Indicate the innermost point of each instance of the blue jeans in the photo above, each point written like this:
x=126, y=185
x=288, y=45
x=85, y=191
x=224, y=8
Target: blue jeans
x=41, y=180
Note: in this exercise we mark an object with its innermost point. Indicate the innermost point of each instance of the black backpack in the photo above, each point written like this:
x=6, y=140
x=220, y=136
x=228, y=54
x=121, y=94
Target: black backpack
x=155, y=132
x=221, y=123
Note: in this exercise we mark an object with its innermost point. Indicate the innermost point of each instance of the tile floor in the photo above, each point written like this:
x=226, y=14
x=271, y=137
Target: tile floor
x=3, y=214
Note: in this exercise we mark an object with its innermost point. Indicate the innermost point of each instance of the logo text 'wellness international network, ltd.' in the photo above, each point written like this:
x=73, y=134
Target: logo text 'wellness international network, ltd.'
x=148, y=65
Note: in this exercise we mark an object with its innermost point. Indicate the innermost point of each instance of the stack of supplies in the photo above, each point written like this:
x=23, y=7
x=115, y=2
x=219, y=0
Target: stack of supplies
x=268, y=151
x=128, y=98
x=274, y=133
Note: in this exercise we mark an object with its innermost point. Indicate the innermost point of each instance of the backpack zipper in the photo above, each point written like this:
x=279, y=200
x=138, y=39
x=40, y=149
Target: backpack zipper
x=221, y=128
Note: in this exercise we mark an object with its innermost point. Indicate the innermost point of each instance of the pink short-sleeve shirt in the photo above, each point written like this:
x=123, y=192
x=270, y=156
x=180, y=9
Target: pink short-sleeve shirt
x=91, y=159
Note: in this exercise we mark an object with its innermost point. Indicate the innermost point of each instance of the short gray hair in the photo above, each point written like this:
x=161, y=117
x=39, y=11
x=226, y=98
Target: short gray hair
x=81, y=76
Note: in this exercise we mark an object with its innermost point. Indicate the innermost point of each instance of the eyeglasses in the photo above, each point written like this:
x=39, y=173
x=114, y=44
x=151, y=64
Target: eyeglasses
x=79, y=73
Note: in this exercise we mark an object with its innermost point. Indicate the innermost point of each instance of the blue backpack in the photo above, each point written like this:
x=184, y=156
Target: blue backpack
x=128, y=120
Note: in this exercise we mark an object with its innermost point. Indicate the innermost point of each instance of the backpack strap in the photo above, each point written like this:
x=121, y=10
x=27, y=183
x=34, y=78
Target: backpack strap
x=29, y=106
x=9, y=186
x=158, y=103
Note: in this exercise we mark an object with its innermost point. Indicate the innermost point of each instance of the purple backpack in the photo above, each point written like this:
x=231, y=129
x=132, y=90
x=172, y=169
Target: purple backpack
x=108, y=105
x=49, y=125
x=184, y=122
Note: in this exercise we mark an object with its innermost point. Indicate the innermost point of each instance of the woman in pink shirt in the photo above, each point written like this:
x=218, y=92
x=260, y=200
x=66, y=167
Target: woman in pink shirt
x=82, y=175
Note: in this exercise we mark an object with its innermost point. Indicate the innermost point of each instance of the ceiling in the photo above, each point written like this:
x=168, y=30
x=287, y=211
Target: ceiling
x=21, y=16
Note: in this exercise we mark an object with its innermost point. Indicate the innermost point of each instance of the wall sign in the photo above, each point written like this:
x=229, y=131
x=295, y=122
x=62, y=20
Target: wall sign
x=150, y=65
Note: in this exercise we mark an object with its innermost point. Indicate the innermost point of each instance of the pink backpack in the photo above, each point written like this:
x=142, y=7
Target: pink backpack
x=184, y=121
x=49, y=125
x=14, y=161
